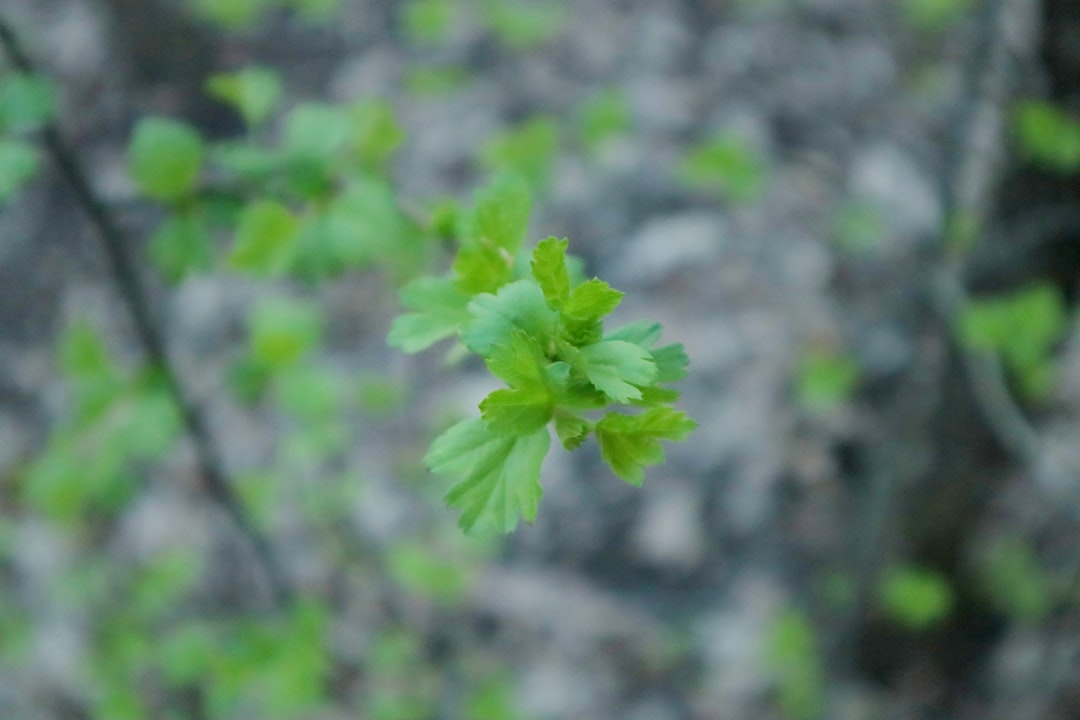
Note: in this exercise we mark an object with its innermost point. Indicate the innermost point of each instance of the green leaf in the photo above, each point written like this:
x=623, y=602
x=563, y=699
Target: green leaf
x=519, y=361
x=500, y=216
x=253, y=91
x=265, y=238
x=935, y=15
x=1048, y=135
x=363, y=224
x=549, y=269
x=419, y=568
x=516, y=411
x=793, y=655
x=1023, y=327
x=181, y=245
x=527, y=150
x=282, y=331
x=603, y=117
x=1011, y=577
x=376, y=133
x=571, y=429
x=585, y=308
x=616, y=367
x=498, y=478
x=826, y=379
x=164, y=158
x=440, y=312
x=18, y=165
x=915, y=597
x=230, y=14
x=482, y=268
x=518, y=305
x=671, y=361
x=644, y=333
x=26, y=102
x=629, y=443
x=312, y=394
x=728, y=165
x=317, y=132
x=524, y=25
x=429, y=21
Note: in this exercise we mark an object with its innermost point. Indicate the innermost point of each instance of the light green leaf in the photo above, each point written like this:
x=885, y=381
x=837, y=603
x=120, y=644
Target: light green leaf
x=916, y=597
x=826, y=379
x=317, y=133
x=265, y=238
x=727, y=164
x=571, y=429
x=482, y=268
x=441, y=312
x=519, y=362
x=500, y=216
x=616, y=367
x=518, y=305
x=164, y=158
x=671, y=361
x=549, y=269
x=516, y=411
x=644, y=333
x=527, y=150
x=253, y=91
x=230, y=14
x=26, y=102
x=498, y=478
x=629, y=443
x=181, y=245
x=592, y=300
x=376, y=133
x=282, y=331
x=1048, y=135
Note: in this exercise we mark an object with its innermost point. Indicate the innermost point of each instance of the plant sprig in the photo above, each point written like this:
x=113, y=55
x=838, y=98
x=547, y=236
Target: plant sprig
x=541, y=331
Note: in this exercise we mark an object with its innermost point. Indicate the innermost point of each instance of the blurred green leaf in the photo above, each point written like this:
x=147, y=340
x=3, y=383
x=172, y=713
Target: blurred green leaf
x=524, y=25
x=181, y=245
x=916, y=597
x=376, y=133
x=936, y=14
x=603, y=116
x=1011, y=577
x=429, y=21
x=253, y=91
x=728, y=165
x=421, y=569
x=826, y=380
x=528, y=150
x=26, y=102
x=793, y=657
x=1048, y=136
x=283, y=330
x=164, y=158
x=1023, y=327
x=230, y=14
x=265, y=238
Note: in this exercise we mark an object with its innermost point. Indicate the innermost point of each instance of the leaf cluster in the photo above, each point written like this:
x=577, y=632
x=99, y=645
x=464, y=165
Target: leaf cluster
x=541, y=331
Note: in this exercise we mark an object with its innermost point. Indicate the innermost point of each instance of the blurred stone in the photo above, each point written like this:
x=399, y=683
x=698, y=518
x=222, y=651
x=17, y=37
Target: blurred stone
x=670, y=244
x=669, y=531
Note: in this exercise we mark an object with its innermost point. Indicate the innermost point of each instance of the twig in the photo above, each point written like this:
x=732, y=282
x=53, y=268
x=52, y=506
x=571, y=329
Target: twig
x=136, y=300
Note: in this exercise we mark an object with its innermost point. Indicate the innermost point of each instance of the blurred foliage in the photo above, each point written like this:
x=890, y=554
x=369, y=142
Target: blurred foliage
x=528, y=150
x=728, y=165
x=1048, y=136
x=27, y=103
x=858, y=228
x=1010, y=575
x=915, y=597
x=1022, y=327
x=935, y=15
x=793, y=657
x=826, y=379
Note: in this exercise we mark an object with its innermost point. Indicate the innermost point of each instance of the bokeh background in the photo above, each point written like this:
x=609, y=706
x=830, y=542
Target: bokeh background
x=859, y=216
